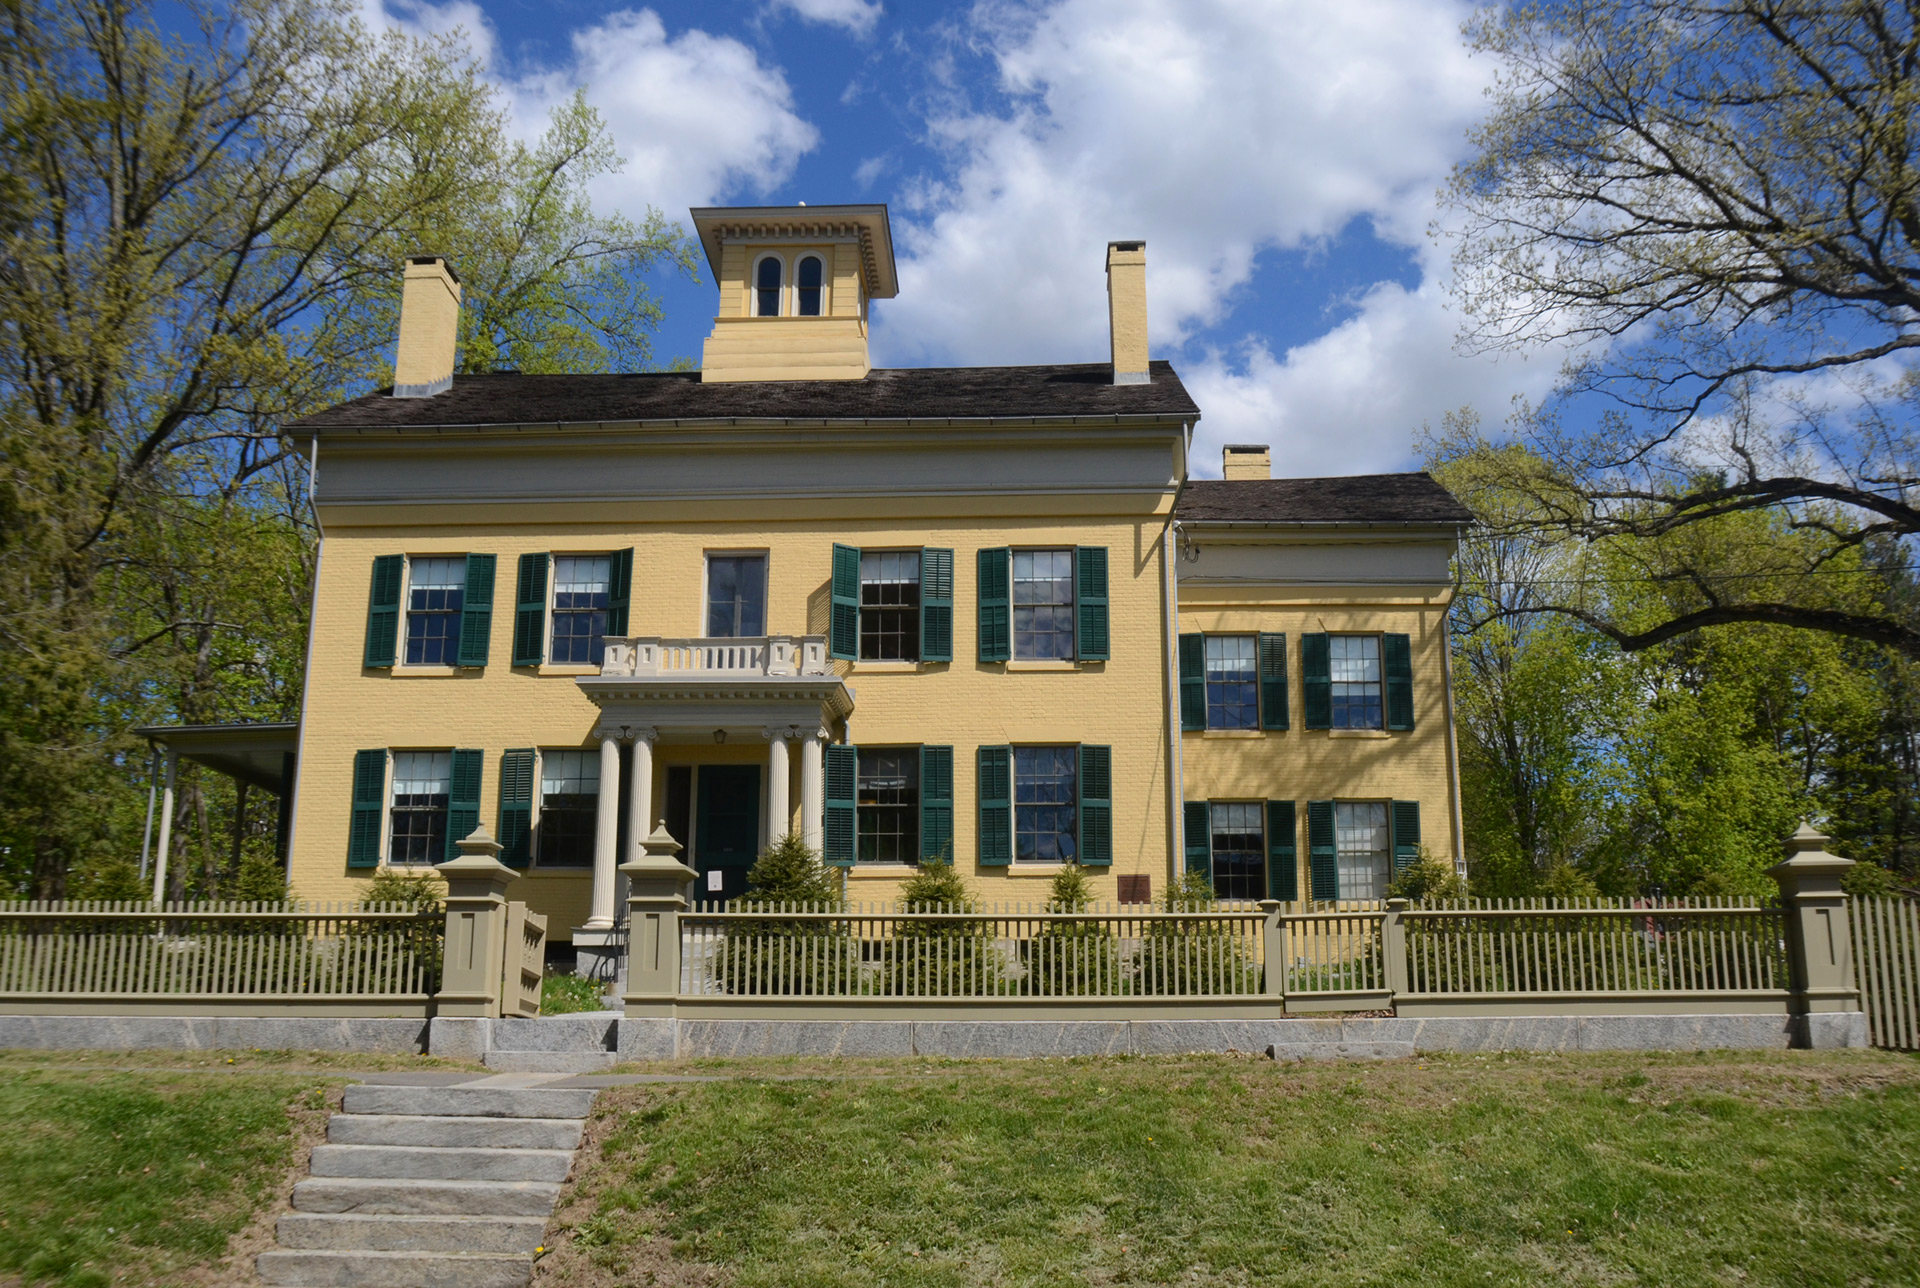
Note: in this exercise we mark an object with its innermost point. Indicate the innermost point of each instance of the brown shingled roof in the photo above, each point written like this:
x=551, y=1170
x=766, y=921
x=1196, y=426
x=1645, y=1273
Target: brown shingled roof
x=915, y=393
x=1357, y=498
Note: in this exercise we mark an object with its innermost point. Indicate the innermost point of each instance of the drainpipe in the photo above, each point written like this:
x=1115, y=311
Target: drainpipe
x=1176, y=769
x=1453, y=741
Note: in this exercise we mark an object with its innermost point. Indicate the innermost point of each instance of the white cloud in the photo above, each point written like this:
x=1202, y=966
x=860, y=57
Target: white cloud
x=697, y=117
x=857, y=16
x=1217, y=130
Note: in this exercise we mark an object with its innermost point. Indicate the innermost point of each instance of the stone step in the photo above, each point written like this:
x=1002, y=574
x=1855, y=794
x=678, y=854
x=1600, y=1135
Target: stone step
x=468, y=1102
x=550, y=1061
x=588, y=1031
x=355, y=1232
x=455, y=1132
x=425, y=1198
x=311, y=1268
x=426, y=1163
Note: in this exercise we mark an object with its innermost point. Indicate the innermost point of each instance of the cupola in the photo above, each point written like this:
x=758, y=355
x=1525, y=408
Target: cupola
x=795, y=284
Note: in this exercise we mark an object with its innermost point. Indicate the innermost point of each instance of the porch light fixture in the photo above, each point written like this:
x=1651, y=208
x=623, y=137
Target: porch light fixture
x=719, y=736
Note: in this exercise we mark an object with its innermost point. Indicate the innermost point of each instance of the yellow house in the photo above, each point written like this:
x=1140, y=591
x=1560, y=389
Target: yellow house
x=975, y=614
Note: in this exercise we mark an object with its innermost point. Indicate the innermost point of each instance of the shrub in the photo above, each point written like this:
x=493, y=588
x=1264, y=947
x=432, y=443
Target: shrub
x=1073, y=958
x=1206, y=957
x=1428, y=880
x=786, y=956
x=941, y=958
x=424, y=938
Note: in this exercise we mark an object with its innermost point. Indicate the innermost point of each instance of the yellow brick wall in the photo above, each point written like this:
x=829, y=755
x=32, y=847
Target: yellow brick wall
x=964, y=704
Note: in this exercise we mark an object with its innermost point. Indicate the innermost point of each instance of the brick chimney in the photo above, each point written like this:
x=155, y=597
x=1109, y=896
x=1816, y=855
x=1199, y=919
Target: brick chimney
x=429, y=328
x=1246, y=461
x=1127, y=310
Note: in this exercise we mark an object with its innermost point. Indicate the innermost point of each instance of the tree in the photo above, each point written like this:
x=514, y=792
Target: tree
x=1713, y=202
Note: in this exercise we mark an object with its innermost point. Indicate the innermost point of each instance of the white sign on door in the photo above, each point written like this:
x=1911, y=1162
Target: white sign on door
x=714, y=881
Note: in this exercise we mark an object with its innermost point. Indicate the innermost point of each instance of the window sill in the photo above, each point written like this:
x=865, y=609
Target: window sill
x=1236, y=733
x=1357, y=733
x=422, y=672
x=883, y=668
x=1048, y=870
x=880, y=871
x=569, y=668
x=1035, y=665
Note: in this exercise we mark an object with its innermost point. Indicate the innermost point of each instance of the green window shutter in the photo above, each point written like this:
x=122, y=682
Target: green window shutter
x=1323, y=867
x=1283, y=869
x=936, y=805
x=476, y=611
x=841, y=830
x=530, y=612
x=1316, y=678
x=1396, y=658
x=463, y=799
x=1193, y=682
x=620, y=593
x=1405, y=817
x=516, y=807
x=1091, y=639
x=1095, y=813
x=369, y=808
x=1273, y=681
x=995, y=788
x=1197, y=817
x=383, y=609
x=936, y=605
x=843, y=630
x=995, y=602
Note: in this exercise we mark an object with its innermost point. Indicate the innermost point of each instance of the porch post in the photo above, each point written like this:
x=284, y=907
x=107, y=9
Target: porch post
x=166, y=828
x=606, y=835
x=812, y=775
x=639, y=795
x=779, y=806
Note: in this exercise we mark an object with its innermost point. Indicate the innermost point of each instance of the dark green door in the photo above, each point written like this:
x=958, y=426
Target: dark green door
x=727, y=833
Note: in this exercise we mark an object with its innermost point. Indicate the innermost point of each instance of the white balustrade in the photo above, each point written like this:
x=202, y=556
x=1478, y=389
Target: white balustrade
x=754, y=656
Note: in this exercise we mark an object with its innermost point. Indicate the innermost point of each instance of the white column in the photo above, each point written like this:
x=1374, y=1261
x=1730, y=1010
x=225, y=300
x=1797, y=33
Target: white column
x=640, y=794
x=812, y=798
x=779, y=806
x=166, y=829
x=606, y=836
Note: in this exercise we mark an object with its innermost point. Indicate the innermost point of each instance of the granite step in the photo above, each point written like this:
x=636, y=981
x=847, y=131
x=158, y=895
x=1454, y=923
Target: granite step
x=315, y=1268
x=348, y=1194
x=355, y=1232
x=455, y=1132
x=430, y=1163
x=468, y=1102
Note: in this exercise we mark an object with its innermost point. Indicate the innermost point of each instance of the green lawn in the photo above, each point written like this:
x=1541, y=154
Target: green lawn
x=133, y=1178
x=1778, y=1168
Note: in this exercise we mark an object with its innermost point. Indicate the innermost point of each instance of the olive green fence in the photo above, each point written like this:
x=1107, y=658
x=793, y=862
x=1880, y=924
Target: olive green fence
x=1886, y=955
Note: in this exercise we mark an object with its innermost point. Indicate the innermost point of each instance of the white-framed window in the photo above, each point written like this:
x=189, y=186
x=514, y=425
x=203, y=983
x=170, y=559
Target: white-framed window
x=809, y=286
x=887, y=805
x=889, y=605
x=736, y=595
x=1362, y=848
x=769, y=283
x=1233, y=682
x=1354, y=667
x=1046, y=800
x=417, y=823
x=436, y=587
x=1239, y=845
x=582, y=585
x=1043, y=604
x=569, y=809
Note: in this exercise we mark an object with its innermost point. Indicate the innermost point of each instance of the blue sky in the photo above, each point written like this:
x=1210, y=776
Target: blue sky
x=1279, y=158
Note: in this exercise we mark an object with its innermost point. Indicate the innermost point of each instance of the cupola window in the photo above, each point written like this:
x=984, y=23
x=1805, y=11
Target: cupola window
x=766, y=283
x=807, y=301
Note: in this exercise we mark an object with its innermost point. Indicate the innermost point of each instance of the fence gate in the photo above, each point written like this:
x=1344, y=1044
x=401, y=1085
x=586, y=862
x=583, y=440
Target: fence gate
x=1886, y=961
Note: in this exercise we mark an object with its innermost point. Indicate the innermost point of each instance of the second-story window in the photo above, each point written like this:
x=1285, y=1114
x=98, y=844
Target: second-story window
x=581, y=586
x=1354, y=668
x=890, y=605
x=1043, y=604
x=806, y=287
x=766, y=288
x=1233, y=697
x=736, y=595
x=435, y=588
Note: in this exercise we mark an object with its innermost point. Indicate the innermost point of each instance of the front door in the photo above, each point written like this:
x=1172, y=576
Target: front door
x=727, y=830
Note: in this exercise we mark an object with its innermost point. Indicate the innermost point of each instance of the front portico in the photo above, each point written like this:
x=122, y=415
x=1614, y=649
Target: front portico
x=656, y=693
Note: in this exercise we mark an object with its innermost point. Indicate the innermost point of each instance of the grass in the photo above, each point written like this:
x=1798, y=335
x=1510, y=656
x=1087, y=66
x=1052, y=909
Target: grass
x=236, y=1061
x=566, y=994
x=113, y=1178
x=1796, y=1168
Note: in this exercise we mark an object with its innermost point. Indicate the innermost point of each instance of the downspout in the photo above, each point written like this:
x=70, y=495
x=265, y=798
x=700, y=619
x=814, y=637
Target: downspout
x=306, y=673
x=1176, y=768
x=1453, y=740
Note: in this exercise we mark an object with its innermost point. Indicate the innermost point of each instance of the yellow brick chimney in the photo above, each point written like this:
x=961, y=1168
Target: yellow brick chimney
x=429, y=328
x=1127, y=310
x=1246, y=461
